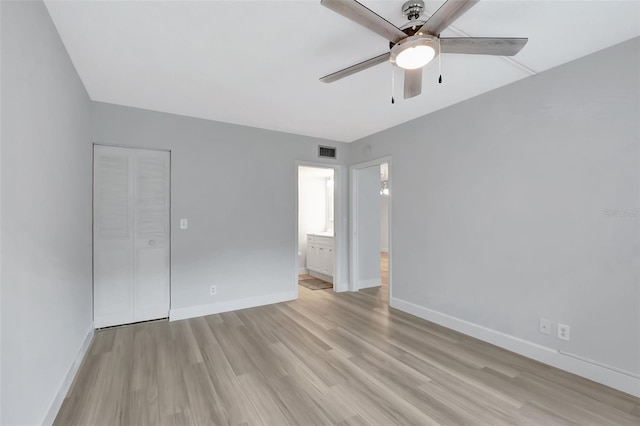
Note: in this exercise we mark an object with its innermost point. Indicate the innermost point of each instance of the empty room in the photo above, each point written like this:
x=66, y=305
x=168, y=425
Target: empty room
x=319, y=212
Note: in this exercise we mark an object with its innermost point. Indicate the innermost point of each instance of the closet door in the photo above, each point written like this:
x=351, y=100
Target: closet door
x=112, y=236
x=131, y=235
x=151, y=241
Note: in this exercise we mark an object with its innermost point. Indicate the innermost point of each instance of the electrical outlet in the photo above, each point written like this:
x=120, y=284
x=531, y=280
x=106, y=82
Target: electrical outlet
x=212, y=290
x=184, y=223
x=564, y=332
x=545, y=326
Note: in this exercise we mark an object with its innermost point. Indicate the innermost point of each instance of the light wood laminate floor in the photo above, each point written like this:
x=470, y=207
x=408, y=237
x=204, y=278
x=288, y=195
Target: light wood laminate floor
x=325, y=359
x=384, y=268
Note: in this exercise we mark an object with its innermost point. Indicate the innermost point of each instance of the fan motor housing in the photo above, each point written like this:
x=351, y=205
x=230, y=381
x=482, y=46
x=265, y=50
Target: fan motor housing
x=412, y=9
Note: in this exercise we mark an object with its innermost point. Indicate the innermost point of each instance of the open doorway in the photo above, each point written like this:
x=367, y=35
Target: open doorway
x=316, y=228
x=370, y=226
x=384, y=230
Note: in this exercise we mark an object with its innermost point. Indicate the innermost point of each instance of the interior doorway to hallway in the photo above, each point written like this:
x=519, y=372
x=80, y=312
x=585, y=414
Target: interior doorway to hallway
x=370, y=228
x=384, y=230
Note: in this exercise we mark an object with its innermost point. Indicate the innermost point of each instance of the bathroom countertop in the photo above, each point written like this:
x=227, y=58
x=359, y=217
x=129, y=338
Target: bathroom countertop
x=322, y=234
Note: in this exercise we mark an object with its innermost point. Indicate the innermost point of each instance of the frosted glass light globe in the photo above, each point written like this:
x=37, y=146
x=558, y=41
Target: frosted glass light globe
x=415, y=57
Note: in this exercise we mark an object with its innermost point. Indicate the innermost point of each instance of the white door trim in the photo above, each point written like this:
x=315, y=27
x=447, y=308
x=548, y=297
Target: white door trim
x=338, y=225
x=353, y=221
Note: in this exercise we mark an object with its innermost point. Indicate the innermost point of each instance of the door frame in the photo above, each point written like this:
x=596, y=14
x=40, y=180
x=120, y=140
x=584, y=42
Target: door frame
x=339, y=242
x=353, y=220
x=93, y=189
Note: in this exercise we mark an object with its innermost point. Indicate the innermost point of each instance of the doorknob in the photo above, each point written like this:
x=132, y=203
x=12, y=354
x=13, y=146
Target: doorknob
x=152, y=242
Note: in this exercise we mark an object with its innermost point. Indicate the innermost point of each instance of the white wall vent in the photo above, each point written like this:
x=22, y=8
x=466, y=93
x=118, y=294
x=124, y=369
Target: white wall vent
x=326, y=151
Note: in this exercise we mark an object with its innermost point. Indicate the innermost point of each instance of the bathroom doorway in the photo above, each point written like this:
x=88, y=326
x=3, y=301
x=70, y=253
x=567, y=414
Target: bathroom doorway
x=316, y=229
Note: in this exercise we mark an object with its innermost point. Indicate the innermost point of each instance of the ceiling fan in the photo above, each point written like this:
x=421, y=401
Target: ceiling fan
x=416, y=44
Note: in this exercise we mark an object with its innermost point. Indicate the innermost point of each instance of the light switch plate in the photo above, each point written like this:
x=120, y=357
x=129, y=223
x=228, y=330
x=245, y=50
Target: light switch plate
x=184, y=223
x=545, y=326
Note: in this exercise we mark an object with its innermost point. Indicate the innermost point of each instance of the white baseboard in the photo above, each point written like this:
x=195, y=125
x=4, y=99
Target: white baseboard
x=321, y=276
x=376, y=282
x=302, y=271
x=384, y=250
x=581, y=367
x=68, y=379
x=231, y=305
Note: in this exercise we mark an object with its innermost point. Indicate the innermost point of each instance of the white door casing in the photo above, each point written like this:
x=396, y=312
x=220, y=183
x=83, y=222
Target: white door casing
x=131, y=235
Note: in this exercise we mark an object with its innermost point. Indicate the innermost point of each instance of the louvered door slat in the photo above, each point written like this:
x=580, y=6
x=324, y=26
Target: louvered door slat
x=151, y=198
x=112, y=186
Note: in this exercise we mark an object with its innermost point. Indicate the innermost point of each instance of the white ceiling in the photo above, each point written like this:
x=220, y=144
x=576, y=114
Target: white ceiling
x=257, y=63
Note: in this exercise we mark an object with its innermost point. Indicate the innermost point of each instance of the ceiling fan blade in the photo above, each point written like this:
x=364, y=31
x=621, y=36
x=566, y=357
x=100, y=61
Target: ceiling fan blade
x=483, y=45
x=446, y=15
x=355, y=68
x=366, y=17
x=412, y=83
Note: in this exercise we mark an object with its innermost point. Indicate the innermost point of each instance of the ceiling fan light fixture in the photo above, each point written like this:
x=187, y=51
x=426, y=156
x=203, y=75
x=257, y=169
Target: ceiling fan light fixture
x=415, y=57
x=413, y=52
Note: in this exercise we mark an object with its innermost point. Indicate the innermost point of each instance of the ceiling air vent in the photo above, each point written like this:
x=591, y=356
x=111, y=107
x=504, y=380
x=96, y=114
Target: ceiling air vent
x=326, y=151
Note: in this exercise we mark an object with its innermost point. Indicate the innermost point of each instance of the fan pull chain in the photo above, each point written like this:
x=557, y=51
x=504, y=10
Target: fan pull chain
x=393, y=85
x=439, y=62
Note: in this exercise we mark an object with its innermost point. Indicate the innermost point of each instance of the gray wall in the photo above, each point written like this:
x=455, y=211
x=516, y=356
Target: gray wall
x=46, y=213
x=501, y=207
x=236, y=185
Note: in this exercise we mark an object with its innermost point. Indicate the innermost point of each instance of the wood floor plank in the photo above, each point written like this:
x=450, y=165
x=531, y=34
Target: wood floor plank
x=222, y=376
x=464, y=408
x=356, y=420
x=171, y=396
x=325, y=359
x=204, y=403
x=264, y=401
x=534, y=414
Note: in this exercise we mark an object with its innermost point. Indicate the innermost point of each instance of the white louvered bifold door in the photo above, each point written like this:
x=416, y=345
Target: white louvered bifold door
x=131, y=235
